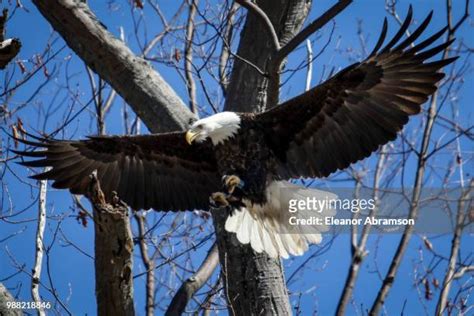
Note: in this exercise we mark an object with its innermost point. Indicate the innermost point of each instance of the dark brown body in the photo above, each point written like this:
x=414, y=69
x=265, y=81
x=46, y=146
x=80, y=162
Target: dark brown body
x=248, y=156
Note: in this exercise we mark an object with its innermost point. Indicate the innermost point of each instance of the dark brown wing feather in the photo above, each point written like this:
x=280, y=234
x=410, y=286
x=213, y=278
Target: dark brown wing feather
x=147, y=171
x=362, y=107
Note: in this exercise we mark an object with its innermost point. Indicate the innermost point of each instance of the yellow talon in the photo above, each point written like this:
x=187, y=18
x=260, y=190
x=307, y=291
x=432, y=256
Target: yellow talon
x=231, y=182
x=219, y=199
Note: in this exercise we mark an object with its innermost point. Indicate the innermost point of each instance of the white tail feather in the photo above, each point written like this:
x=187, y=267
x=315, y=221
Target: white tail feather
x=267, y=228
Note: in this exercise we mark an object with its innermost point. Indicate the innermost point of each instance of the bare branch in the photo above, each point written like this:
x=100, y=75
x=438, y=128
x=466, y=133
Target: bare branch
x=39, y=247
x=188, y=57
x=463, y=271
x=149, y=265
x=309, y=58
x=359, y=244
x=225, y=52
x=194, y=283
x=262, y=91
x=453, y=29
x=274, y=67
x=451, y=274
x=311, y=28
x=167, y=26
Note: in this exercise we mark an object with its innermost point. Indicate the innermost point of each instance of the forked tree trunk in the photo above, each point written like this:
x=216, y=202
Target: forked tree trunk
x=255, y=283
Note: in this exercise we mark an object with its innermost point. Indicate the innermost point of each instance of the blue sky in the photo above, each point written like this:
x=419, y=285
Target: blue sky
x=322, y=279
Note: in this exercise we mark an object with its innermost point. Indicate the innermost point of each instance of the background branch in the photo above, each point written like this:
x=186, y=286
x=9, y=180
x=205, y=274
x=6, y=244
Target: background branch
x=149, y=264
x=450, y=275
x=311, y=28
x=225, y=52
x=194, y=283
x=39, y=247
x=188, y=56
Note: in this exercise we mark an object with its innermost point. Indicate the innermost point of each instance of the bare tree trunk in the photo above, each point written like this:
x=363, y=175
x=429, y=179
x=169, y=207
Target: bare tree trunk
x=113, y=254
x=5, y=297
x=247, y=90
x=255, y=283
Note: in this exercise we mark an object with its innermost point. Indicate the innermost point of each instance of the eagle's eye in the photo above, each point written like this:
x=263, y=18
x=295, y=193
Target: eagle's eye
x=199, y=126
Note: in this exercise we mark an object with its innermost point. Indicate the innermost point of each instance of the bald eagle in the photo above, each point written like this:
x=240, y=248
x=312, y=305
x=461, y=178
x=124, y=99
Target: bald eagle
x=326, y=129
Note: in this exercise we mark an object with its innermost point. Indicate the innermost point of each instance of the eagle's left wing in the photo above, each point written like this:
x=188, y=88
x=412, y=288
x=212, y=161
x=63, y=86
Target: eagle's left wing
x=362, y=107
x=159, y=171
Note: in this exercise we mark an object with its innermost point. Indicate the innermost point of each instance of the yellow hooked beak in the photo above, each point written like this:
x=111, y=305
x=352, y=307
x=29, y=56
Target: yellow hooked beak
x=191, y=136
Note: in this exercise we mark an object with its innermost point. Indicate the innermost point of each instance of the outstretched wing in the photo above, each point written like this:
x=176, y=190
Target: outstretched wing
x=147, y=171
x=362, y=107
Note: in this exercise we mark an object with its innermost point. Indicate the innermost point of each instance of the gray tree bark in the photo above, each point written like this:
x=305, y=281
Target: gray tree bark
x=5, y=297
x=254, y=283
x=248, y=89
x=113, y=254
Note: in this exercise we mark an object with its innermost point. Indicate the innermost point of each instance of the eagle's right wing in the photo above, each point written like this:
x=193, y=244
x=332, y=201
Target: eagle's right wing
x=349, y=116
x=158, y=171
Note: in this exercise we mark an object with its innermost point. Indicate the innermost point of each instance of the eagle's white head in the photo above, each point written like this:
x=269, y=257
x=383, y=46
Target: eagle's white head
x=218, y=128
